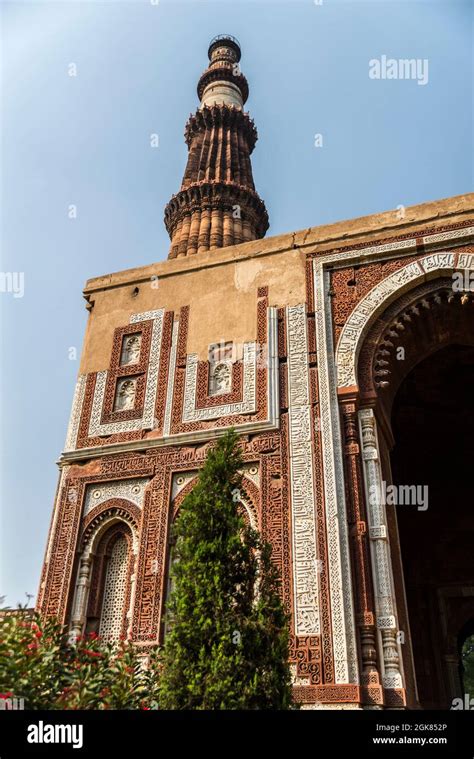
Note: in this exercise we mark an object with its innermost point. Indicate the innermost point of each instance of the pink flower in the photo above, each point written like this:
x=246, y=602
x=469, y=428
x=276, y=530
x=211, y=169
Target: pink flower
x=92, y=653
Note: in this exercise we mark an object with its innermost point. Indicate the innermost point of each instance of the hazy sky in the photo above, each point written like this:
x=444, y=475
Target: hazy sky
x=84, y=140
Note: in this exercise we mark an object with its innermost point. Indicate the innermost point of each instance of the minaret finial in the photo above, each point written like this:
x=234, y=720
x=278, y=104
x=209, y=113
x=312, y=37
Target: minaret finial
x=223, y=82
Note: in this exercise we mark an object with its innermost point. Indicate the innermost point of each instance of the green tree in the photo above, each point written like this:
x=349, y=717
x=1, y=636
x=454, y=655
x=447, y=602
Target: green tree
x=468, y=665
x=227, y=640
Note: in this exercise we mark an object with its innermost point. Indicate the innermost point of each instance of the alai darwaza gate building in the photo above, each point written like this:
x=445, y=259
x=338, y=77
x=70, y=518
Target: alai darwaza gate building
x=344, y=357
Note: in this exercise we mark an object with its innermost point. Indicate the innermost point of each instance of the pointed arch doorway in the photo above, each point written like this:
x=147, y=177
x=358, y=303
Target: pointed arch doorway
x=432, y=425
x=415, y=371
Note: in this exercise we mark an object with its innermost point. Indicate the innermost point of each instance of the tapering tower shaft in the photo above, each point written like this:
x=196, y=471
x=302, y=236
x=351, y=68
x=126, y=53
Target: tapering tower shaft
x=217, y=204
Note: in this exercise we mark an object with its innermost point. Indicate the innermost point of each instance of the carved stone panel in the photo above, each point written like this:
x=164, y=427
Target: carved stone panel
x=125, y=393
x=305, y=562
x=131, y=345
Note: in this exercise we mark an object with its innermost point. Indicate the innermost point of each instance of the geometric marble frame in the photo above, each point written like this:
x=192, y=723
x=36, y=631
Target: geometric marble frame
x=271, y=422
x=376, y=301
x=146, y=421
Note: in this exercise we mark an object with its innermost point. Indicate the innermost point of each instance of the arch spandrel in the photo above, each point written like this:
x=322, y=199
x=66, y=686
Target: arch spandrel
x=376, y=302
x=249, y=500
x=103, y=516
x=419, y=323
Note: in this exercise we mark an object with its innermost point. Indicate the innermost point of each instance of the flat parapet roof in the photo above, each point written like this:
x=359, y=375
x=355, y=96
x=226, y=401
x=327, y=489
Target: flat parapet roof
x=319, y=239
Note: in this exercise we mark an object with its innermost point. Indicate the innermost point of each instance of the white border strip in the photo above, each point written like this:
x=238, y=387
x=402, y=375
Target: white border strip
x=340, y=575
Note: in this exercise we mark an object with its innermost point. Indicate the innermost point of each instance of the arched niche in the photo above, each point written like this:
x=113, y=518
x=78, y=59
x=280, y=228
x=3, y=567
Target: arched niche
x=105, y=566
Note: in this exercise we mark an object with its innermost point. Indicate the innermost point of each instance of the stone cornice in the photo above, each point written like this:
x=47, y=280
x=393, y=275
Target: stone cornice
x=252, y=428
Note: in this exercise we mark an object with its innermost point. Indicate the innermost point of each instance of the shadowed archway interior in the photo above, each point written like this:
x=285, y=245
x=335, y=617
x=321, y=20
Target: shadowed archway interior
x=432, y=423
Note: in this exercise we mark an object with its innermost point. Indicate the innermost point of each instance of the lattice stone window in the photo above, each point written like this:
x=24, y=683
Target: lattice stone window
x=125, y=393
x=115, y=586
x=131, y=345
x=220, y=368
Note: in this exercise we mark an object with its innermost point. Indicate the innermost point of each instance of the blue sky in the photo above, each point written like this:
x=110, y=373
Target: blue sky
x=85, y=141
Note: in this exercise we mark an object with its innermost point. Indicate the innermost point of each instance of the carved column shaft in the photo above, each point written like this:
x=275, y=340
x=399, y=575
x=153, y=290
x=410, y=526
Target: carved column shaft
x=216, y=229
x=246, y=230
x=228, y=236
x=204, y=230
x=80, y=598
x=175, y=240
x=238, y=232
x=385, y=602
x=360, y=548
x=184, y=236
x=194, y=232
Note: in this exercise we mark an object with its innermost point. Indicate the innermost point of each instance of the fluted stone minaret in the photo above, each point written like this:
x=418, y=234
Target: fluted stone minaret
x=217, y=204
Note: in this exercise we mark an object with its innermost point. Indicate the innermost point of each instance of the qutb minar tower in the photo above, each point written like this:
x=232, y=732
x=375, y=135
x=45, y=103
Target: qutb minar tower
x=294, y=341
x=217, y=204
